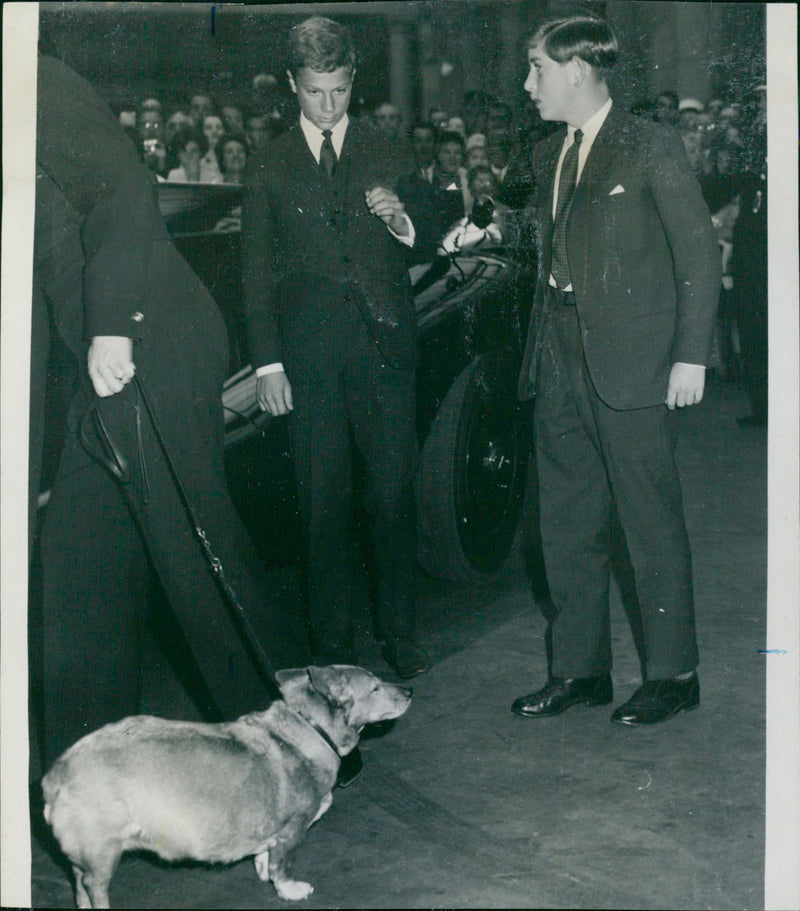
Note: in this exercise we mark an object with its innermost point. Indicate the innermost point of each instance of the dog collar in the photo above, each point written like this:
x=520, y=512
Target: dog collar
x=322, y=733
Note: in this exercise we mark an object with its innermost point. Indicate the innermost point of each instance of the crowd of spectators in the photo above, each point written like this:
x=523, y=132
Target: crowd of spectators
x=204, y=142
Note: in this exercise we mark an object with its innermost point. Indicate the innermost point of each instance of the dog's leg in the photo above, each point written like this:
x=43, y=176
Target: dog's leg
x=288, y=889
x=82, y=899
x=96, y=876
x=327, y=800
x=262, y=865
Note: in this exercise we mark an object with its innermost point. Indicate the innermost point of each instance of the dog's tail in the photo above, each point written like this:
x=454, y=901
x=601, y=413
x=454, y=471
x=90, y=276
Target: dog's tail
x=51, y=785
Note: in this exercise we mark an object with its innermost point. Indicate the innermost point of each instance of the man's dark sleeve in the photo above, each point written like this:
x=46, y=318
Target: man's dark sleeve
x=82, y=148
x=258, y=274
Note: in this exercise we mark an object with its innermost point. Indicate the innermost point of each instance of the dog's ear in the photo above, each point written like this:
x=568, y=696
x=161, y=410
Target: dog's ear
x=290, y=675
x=328, y=682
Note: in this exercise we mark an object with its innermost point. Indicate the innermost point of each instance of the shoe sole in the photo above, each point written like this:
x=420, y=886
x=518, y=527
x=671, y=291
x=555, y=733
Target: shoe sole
x=588, y=703
x=639, y=724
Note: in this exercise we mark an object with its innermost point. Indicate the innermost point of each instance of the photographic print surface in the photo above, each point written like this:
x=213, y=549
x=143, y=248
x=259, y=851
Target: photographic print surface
x=460, y=802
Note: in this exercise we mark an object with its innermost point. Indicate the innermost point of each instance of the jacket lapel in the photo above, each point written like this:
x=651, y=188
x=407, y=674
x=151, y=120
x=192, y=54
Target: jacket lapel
x=599, y=161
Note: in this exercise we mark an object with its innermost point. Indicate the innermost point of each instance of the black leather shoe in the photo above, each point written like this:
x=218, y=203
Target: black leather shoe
x=562, y=692
x=350, y=768
x=658, y=700
x=406, y=659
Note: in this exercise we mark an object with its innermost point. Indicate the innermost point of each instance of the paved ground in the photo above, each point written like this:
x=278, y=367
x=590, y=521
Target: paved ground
x=462, y=804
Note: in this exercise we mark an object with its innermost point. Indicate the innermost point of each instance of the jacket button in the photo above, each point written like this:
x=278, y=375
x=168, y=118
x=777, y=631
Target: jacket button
x=137, y=317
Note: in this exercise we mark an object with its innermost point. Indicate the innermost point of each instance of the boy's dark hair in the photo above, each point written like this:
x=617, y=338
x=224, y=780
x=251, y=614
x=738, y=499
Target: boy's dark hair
x=321, y=45
x=590, y=39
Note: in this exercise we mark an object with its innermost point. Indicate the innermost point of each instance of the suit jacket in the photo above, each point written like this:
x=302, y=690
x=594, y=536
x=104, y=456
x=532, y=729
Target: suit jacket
x=644, y=260
x=103, y=256
x=303, y=235
x=104, y=264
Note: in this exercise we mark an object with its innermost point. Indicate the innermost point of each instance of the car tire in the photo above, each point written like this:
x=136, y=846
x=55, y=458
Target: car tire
x=471, y=477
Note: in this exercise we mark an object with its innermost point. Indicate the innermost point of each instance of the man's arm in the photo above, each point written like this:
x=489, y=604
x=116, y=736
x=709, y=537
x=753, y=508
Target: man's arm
x=387, y=206
x=696, y=264
x=258, y=278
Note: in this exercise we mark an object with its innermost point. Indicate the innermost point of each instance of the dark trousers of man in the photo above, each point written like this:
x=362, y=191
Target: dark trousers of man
x=100, y=540
x=591, y=458
x=346, y=395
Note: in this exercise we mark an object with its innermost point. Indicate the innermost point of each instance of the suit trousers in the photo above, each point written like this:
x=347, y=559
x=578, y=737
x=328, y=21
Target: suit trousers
x=349, y=401
x=590, y=460
x=101, y=539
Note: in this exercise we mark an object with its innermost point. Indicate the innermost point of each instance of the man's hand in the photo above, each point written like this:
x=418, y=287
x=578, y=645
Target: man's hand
x=686, y=385
x=110, y=363
x=274, y=393
x=387, y=206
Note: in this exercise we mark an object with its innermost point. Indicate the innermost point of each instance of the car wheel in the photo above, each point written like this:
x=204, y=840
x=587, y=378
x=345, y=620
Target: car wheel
x=472, y=474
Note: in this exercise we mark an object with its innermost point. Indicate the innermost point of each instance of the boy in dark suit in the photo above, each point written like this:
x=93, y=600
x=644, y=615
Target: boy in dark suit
x=332, y=329
x=623, y=318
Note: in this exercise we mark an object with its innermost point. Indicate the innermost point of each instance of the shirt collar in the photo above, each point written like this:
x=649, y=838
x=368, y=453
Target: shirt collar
x=592, y=126
x=314, y=135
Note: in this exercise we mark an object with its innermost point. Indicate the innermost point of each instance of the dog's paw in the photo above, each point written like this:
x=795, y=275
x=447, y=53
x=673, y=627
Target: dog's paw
x=262, y=865
x=292, y=890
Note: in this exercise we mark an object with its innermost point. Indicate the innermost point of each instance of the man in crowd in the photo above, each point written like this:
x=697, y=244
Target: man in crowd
x=418, y=188
x=332, y=330
x=624, y=312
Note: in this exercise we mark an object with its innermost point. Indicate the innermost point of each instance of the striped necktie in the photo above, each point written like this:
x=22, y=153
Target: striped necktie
x=327, y=155
x=559, y=266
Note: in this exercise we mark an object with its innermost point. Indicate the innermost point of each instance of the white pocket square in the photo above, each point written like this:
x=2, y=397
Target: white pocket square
x=617, y=189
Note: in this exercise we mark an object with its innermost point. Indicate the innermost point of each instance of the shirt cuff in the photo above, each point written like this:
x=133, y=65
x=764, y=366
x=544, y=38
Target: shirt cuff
x=684, y=364
x=277, y=367
x=407, y=239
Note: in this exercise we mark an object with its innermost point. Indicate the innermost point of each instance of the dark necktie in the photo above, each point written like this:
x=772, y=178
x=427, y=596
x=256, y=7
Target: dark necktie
x=566, y=187
x=327, y=155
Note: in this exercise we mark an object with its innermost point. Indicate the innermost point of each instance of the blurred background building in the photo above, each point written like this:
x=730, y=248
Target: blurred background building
x=416, y=55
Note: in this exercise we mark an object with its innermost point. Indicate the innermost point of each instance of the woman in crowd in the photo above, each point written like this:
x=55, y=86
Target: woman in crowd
x=232, y=158
x=213, y=130
x=188, y=147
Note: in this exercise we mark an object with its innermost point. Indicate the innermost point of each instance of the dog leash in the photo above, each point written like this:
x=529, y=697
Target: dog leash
x=115, y=462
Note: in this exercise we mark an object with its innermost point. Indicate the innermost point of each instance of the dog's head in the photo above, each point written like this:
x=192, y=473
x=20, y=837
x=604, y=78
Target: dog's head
x=342, y=699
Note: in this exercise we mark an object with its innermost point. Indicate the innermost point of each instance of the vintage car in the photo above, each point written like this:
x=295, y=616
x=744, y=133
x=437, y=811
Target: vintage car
x=472, y=310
